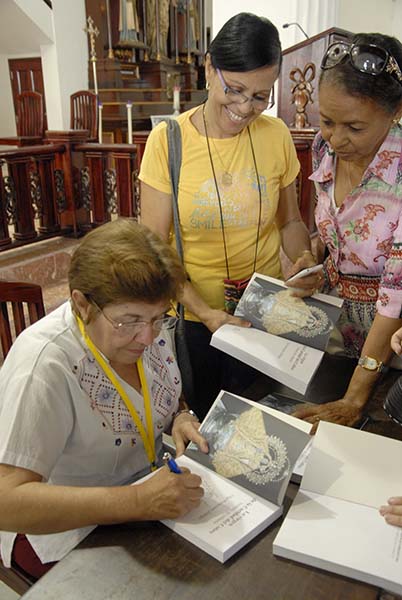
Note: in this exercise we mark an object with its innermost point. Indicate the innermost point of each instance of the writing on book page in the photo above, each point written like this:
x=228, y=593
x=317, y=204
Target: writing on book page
x=222, y=505
x=297, y=358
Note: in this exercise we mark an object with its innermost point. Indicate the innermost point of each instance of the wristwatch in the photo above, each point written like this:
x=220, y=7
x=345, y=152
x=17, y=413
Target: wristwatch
x=372, y=364
x=188, y=411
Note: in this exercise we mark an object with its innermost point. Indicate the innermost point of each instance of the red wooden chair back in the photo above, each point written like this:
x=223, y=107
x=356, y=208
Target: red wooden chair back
x=30, y=114
x=19, y=303
x=84, y=112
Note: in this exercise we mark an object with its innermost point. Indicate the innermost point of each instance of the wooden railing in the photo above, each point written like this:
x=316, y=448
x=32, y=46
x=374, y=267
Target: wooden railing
x=65, y=187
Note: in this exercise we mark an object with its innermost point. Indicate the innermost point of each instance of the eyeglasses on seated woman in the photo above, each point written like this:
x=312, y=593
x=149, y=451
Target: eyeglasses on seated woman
x=85, y=395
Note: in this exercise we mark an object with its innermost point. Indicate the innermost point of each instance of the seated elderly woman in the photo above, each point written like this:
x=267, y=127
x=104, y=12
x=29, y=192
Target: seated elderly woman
x=85, y=394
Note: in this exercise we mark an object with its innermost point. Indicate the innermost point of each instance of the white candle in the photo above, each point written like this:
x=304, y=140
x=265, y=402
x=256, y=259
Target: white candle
x=129, y=123
x=95, y=77
x=100, y=132
x=176, y=100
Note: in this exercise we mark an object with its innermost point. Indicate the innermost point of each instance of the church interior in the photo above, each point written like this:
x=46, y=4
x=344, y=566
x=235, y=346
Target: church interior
x=83, y=84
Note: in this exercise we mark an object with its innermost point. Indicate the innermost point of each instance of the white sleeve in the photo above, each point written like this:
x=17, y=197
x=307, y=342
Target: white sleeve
x=36, y=418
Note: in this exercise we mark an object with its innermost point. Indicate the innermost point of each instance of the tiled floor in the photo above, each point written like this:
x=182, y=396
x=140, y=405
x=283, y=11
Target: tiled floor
x=54, y=295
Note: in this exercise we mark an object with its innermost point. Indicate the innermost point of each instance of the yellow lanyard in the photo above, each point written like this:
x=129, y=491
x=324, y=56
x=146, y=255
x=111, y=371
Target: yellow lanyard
x=147, y=437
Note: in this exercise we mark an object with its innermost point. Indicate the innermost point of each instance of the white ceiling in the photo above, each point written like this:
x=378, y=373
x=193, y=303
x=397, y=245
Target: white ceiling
x=18, y=32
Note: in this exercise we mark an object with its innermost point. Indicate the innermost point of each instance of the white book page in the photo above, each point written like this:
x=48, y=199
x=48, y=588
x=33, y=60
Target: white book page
x=288, y=362
x=228, y=516
x=345, y=538
x=300, y=466
x=354, y=465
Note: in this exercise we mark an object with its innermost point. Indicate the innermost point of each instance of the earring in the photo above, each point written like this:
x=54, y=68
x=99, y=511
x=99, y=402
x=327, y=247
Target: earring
x=207, y=86
x=395, y=121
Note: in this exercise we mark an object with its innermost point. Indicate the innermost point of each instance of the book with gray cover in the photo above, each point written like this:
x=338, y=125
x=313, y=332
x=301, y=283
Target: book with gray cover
x=252, y=452
x=288, y=336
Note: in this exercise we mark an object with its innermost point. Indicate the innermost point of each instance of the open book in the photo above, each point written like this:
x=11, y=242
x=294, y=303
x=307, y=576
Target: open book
x=334, y=523
x=252, y=452
x=288, y=336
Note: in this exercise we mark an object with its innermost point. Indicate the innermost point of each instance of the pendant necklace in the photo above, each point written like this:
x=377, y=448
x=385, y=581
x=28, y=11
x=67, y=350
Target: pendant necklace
x=227, y=177
x=219, y=196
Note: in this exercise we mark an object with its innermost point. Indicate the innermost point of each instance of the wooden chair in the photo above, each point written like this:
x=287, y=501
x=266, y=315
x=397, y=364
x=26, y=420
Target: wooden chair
x=84, y=112
x=30, y=114
x=17, y=296
x=30, y=121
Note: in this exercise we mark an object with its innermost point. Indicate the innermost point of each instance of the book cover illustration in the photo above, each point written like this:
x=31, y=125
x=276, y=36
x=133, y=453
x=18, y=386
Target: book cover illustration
x=271, y=307
x=252, y=448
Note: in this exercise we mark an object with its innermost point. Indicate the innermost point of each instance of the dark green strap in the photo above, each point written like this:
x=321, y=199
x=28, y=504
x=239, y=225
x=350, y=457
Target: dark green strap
x=183, y=358
x=174, y=151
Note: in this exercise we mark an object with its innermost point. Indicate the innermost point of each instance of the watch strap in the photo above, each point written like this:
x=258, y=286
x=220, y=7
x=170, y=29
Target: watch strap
x=372, y=364
x=188, y=411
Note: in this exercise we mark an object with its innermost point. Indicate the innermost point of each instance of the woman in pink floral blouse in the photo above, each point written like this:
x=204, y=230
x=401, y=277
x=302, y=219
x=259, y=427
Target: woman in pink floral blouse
x=358, y=177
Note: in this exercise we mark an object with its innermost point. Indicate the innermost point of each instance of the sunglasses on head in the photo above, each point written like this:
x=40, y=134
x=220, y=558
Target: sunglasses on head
x=366, y=58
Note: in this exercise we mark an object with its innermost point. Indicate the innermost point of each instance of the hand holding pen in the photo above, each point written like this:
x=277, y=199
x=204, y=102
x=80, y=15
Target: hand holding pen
x=171, y=463
x=167, y=496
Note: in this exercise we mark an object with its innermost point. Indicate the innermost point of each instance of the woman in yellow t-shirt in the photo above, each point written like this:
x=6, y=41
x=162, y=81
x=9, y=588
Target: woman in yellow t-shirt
x=237, y=194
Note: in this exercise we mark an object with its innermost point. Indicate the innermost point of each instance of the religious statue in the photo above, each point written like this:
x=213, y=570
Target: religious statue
x=157, y=20
x=240, y=445
x=193, y=34
x=282, y=313
x=128, y=22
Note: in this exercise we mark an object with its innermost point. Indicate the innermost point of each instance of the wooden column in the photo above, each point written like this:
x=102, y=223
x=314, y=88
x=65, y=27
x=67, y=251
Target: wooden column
x=18, y=169
x=74, y=218
x=97, y=163
x=5, y=239
x=125, y=165
x=48, y=217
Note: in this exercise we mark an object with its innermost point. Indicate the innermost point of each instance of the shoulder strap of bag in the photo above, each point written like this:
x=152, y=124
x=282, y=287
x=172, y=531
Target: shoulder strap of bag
x=174, y=150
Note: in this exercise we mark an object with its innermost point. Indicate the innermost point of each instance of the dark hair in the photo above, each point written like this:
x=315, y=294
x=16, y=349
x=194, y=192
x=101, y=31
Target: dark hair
x=246, y=42
x=123, y=260
x=382, y=89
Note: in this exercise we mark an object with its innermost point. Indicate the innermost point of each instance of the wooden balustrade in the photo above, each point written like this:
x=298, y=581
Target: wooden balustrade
x=65, y=187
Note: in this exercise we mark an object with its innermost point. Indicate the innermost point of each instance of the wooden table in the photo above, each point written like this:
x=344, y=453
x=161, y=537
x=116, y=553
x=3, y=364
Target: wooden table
x=149, y=561
x=145, y=561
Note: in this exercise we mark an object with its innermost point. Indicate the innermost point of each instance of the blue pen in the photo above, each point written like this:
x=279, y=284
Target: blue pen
x=171, y=463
